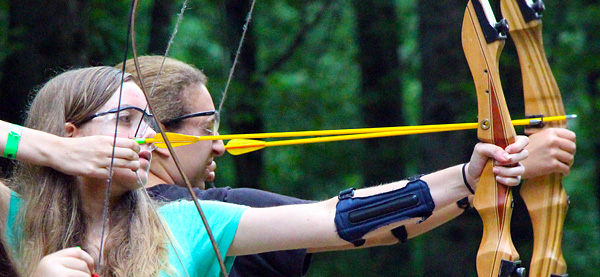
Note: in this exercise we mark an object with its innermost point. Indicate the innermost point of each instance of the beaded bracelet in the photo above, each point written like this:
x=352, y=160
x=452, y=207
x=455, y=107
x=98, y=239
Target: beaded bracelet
x=12, y=142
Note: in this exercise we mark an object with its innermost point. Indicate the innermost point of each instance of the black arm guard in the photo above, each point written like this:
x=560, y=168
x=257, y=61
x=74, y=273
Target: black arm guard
x=357, y=216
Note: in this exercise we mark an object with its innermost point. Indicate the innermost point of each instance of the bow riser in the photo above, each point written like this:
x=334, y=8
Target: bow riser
x=493, y=201
x=540, y=89
x=545, y=197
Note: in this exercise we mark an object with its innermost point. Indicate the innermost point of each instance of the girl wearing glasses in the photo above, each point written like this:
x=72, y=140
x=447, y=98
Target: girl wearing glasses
x=49, y=210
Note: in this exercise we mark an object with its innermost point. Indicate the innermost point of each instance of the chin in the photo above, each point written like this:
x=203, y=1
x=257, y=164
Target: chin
x=143, y=174
x=129, y=179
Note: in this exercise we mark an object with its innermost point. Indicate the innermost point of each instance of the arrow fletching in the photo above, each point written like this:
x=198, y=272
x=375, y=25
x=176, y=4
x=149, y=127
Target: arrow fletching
x=243, y=146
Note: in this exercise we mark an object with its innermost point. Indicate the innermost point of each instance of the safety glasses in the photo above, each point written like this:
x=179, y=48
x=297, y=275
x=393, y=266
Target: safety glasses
x=212, y=128
x=133, y=121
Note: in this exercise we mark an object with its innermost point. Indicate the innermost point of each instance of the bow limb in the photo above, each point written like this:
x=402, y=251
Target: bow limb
x=482, y=43
x=545, y=197
x=170, y=148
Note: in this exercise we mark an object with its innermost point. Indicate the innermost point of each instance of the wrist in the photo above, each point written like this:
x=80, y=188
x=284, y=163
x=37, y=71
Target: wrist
x=465, y=179
x=13, y=140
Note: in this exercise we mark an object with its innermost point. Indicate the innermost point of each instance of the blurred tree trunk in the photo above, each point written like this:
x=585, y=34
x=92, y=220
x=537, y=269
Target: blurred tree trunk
x=160, y=31
x=448, y=97
x=381, y=90
x=42, y=35
x=244, y=97
x=593, y=80
x=448, y=91
x=381, y=98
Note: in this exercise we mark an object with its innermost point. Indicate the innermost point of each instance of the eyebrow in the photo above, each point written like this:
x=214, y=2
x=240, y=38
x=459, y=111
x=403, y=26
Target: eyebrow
x=131, y=105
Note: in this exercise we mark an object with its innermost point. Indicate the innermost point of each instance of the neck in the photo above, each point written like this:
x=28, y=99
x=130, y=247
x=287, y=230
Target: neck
x=158, y=175
x=93, y=193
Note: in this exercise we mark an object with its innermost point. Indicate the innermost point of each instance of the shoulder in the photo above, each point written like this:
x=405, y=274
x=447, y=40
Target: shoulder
x=168, y=192
x=171, y=192
x=242, y=196
x=178, y=212
x=186, y=225
x=260, y=198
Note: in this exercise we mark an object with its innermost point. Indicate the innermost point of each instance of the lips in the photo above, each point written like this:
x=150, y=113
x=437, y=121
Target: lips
x=146, y=155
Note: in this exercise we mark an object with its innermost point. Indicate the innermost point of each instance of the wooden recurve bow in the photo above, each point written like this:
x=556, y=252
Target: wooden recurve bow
x=483, y=39
x=544, y=196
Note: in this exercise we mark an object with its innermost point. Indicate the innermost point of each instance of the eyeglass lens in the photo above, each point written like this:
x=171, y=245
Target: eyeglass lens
x=213, y=126
x=129, y=121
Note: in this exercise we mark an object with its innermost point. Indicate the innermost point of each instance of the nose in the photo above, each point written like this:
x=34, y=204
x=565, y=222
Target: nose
x=218, y=147
x=150, y=132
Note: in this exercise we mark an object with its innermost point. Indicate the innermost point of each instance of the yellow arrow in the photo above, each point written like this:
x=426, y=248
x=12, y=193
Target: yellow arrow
x=180, y=139
x=243, y=146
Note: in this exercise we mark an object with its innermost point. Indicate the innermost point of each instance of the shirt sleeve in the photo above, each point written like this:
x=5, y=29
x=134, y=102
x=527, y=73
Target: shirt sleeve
x=191, y=240
x=12, y=228
x=277, y=263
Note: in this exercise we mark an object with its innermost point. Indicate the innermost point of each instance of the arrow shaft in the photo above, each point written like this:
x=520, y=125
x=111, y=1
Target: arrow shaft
x=413, y=129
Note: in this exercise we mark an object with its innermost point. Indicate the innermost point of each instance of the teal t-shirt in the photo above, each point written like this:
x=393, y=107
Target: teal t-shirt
x=193, y=245
x=190, y=237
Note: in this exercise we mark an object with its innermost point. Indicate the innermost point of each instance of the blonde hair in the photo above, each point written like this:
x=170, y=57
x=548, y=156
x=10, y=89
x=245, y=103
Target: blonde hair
x=169, y=92
x=52, y=218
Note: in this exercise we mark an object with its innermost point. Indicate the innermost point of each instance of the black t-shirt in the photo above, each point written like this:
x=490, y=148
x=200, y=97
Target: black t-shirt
x=277, y=263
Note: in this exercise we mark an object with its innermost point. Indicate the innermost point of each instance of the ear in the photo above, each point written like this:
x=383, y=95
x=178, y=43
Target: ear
x=71, y=130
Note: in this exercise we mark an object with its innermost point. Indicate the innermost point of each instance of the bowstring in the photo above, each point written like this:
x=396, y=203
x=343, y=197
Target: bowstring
x=147, y=196
x=235, y=61
x=109, y=181
x=165, y=55
x=237, y=54
x=229, y=79
x=112, y=158
x=170, y=148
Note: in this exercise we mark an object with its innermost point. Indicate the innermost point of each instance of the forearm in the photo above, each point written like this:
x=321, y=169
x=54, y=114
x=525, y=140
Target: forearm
x=89, y=156
x=453, y=189
x=446, y=187
x=29, y=147
x=312, y=225
x=372, y=213
x=438, y=218
x=286, y=227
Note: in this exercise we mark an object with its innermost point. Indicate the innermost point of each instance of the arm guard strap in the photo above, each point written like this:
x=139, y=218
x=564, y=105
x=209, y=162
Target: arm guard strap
x=357, y=216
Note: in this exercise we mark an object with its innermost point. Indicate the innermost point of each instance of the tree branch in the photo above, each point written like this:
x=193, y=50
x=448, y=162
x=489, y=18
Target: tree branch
x=298, y=39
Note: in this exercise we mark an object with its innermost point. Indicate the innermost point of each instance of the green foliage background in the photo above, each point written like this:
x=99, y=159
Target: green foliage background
x=318, y=88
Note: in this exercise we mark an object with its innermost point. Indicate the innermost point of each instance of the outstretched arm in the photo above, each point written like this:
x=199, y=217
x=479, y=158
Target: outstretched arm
x=312, y=225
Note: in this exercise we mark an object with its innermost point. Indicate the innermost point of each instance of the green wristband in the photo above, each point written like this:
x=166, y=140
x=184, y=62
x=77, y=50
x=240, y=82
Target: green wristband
x=12, y=142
